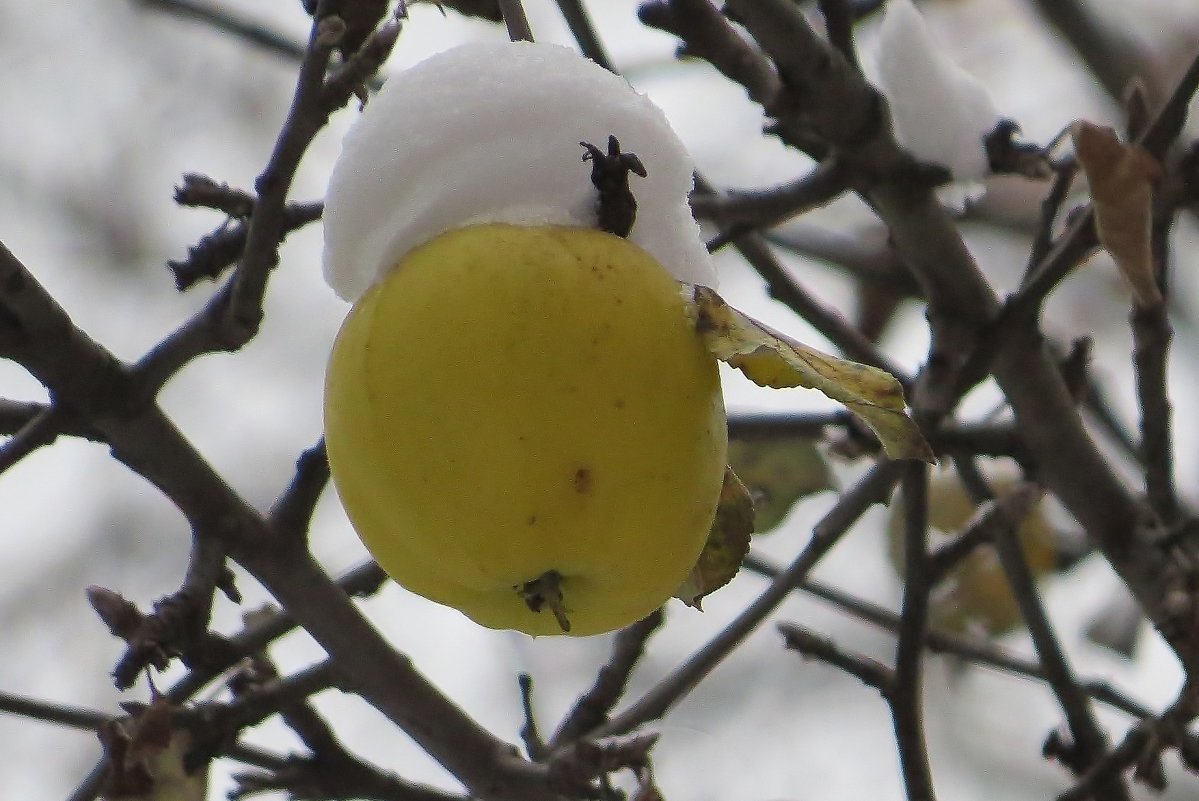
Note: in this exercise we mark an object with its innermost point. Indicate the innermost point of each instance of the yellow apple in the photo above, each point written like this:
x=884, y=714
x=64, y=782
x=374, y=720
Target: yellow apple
x=523, y=424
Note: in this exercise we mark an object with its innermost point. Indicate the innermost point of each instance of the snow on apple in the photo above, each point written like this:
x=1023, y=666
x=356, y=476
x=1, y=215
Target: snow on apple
x=491, y=132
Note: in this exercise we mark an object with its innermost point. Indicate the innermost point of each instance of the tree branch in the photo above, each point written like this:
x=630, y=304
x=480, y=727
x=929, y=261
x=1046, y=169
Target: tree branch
x=845, y=110
x=227, y=22
x=811, y=645
x=593, y=707
x=971, y=649
x=739, y=212
x=907, y=699
x=1090, y=744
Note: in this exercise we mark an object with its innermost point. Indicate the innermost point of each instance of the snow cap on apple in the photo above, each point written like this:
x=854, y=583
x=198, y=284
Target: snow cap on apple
x=491, y=132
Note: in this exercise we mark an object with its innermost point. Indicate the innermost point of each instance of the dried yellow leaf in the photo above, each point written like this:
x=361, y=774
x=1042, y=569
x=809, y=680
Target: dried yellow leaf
x=771, y=359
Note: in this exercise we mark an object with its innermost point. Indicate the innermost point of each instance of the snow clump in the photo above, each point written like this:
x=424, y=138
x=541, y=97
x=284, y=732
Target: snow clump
x=490, y=132
x=940, y=112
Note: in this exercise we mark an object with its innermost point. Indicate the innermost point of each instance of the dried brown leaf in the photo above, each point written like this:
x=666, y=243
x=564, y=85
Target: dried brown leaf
x=1122, y=177
x=727, y=545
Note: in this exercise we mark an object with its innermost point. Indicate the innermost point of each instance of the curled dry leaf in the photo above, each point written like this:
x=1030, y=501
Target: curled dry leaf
x=771, y=359
x=146, y=758
x=727, y=545
x=1122, y=177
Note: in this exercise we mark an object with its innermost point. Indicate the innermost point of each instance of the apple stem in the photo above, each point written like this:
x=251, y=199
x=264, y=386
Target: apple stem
x=543, y=591
x=615, y=207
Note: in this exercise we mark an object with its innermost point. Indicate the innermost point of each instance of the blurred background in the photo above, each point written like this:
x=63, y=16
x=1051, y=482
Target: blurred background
x=107, y=104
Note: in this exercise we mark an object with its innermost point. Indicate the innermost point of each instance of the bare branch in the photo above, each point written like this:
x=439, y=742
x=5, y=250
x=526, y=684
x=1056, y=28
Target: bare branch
x=971, y=649
x=535, y=745
x=842, y=108
x=592, y=709
x=40, y=430
x=1151, y=337
x=907, y=700
x=1090, y=743
x=292, y=512
x=362, y=581
x=226, y=21
x=784, y=288
x=577, y=19
x=742, y=211
x=1142, y=747
x=91, y=720
x=1114, y=58
x=516, y=21
x=812, y=645
x=222, y=248
x=838, y=24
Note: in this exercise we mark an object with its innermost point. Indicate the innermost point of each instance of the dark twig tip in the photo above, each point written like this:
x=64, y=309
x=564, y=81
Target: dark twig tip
x=120, y=615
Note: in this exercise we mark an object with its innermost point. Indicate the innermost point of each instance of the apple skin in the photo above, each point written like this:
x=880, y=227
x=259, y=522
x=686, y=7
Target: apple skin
x=514, y=400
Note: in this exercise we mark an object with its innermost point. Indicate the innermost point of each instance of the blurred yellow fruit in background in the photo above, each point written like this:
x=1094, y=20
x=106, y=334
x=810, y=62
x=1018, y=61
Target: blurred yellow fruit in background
x=974, y=595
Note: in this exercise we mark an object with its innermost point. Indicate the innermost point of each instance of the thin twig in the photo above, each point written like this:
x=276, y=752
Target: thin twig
x=838, y=25
x=306, y=116
x=765, y=425
x=990, y=523
x=869, y=671
x=781, y=286
x=292, y=512
x=1112, y=56
x=276, y=695
x=91, y=720
x=907, y=700
x=178, y=626
x=361, y=581
x=1050, y=206
x=707, y=34
x=1142, y=746
x=593, y=707
x=227, y=22
x=971, y=649
x=331, y=770
x=864, y=255
x=584, y=33
x=872, y=488
x=530, y=734
x=516, y=20
x=41, y=430
x=222, y=248
x=1151, y=337
x=232, y=316
x=1080, y=239
x=1090, y=744
x=743, y=211
x=1151, y=334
